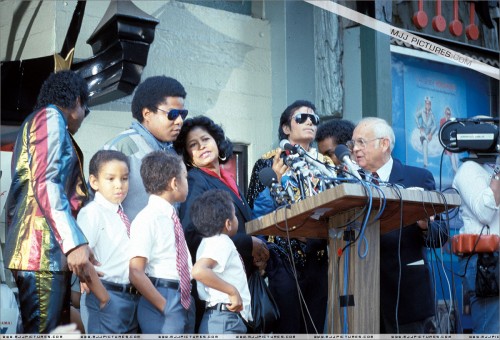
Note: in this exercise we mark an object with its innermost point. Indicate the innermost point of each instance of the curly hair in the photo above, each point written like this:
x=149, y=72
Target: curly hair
x=224, y=145
x=210, y=211
x=158, y=168
x=340, y=130
x=62, y=89
x=152, y=92
x=287, y=114
x=102, y=157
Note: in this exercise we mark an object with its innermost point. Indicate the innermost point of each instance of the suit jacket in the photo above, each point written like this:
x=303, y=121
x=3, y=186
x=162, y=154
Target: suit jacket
x=199, y=182
x=416, y=297
x=47, y=191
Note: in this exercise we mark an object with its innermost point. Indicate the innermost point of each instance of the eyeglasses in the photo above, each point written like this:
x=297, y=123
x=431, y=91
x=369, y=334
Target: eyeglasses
x=174, y=113
x=360, y=142
x=301, y=118
x=87, y=110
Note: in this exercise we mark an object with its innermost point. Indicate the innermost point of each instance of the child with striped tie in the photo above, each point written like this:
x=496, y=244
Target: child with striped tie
x=160, y=263
x=112, y=301
x=219, y=269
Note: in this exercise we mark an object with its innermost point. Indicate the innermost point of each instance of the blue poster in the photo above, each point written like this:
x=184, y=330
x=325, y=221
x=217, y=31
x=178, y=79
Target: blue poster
x=425, y=95
x=430, y=99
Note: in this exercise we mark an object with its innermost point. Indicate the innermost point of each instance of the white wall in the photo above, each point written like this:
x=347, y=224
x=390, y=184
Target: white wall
x=223, y=60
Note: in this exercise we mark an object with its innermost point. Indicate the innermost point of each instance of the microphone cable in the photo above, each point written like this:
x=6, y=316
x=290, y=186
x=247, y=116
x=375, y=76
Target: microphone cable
x=302, y=301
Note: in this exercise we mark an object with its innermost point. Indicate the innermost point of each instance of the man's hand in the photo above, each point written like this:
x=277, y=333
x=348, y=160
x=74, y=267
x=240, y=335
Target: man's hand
x=424, y=224
x=260, y=253
x=81, y=262
x=279, y=166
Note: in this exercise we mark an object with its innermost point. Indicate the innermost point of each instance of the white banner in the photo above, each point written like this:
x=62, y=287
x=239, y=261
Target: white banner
x=407, y=37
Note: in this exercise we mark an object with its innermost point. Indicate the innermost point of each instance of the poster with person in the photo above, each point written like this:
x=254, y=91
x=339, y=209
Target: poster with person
x=427, y=96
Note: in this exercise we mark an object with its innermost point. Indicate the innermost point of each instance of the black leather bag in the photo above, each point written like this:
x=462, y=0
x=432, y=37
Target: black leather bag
x=487, y=275
x=264, y=309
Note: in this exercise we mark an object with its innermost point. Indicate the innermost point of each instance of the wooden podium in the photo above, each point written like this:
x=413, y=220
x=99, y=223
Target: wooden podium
x=327, y=215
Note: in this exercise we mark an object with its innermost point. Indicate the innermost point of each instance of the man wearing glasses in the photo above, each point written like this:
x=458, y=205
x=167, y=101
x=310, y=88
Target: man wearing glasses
x=158, y=107
x=298, y=125
x=406, y=290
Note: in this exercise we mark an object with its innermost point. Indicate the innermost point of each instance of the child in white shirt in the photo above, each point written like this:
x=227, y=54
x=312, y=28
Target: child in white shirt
x=219, y=269
x=160, y=263
x=112, y=300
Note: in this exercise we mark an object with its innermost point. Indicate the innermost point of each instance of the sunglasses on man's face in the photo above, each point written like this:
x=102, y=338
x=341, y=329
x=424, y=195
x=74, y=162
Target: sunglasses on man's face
x=174, y=113
x=301, y=118
x=87, y=110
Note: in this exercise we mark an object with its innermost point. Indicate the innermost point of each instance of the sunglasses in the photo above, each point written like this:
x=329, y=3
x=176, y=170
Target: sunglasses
x=87, y=110
x=301, y=118
x=174, y=113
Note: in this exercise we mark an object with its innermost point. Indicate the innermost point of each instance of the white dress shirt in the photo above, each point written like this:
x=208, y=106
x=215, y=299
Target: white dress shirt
x=107, y=236
x=152, y=236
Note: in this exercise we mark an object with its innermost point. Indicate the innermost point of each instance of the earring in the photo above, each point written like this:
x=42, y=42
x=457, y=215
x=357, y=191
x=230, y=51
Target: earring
x=222, y=159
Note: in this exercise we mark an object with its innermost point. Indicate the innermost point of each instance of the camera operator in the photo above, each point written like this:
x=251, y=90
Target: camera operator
x=478, y=184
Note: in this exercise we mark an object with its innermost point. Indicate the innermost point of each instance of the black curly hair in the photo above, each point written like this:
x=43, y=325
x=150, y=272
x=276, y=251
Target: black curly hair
x=152, y=92
x=287, y=114
x=339, y=129
x=224, y=145
x=210, y=211
x=62, y=89
x=158, y=168
x=102, y=157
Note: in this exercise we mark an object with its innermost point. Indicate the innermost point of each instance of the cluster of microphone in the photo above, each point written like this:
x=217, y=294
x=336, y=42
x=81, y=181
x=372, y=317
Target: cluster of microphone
x=310, y=175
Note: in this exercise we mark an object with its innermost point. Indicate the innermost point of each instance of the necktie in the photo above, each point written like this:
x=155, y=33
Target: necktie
x=182, y=262
x=125, y=219
x=375, y=178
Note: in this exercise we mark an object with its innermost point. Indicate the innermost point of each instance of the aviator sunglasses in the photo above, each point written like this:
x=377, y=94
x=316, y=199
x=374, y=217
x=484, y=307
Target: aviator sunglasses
x=301, y=118
x=174, y=113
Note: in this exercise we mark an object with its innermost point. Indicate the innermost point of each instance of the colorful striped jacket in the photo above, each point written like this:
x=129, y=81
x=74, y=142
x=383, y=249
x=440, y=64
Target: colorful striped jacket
x=47, y=191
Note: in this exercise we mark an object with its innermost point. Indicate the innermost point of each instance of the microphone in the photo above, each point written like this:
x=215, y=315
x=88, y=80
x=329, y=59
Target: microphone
x=287, y=146
x=268, y=177
x=342, y=153
x=297, y=149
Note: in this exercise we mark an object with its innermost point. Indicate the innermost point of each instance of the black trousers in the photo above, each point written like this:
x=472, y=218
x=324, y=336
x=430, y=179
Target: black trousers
x=313, y=283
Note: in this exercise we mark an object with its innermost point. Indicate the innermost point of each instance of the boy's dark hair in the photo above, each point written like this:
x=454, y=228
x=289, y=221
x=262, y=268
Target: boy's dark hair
x=223, y=144
x=339, y=129
x=62, y=89
x=157, y=170
x=102, y=157
x=152, y=92
x=210, y=211
x=286, y=116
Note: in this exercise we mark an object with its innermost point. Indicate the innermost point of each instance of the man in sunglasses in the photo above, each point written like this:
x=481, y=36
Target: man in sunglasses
x=298, y=125
x=158, y=109
x=407, y=301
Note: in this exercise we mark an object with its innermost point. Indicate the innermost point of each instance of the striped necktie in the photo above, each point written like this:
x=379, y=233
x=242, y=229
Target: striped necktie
x=125, y=219
x=182, y=262
x=375, y=178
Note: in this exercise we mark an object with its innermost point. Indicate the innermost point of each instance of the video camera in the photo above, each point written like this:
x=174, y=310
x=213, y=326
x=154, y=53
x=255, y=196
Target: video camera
x=477, y=135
